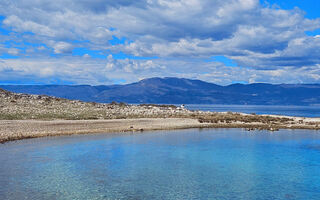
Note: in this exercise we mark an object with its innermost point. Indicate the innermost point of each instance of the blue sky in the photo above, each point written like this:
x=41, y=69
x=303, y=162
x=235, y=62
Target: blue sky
x=105, y=42
x=309, y=6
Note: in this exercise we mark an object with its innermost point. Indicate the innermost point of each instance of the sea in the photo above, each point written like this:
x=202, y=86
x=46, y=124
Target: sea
x=222, y=164
x=299, y=111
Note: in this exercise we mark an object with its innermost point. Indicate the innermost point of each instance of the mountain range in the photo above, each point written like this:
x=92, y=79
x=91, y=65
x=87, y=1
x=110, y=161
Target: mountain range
x=172, y=90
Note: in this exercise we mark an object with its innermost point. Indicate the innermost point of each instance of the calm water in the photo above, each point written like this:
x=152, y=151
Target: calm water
x=301, y=111
x=185, y=164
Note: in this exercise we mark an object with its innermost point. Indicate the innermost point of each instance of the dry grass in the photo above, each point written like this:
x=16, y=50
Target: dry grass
x=40, y=107
x=44, y=108
x=237, y=117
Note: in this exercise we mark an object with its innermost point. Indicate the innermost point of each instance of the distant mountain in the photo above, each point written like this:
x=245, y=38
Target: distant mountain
x=182, y=91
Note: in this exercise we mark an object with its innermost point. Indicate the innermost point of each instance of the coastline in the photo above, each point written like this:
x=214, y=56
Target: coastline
x=11, y=130
x=25, y=116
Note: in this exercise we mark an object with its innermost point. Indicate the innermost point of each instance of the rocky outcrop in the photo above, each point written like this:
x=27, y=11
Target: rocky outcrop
x=15, y=106
x=25, y=106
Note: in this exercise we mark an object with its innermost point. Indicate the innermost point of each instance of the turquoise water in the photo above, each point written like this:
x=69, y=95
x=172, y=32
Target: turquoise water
x=184, y=164
x=301, y=111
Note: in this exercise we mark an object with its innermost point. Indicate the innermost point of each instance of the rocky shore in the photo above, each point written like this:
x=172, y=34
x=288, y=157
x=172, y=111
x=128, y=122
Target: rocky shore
x=27, y=116
x=15, y=106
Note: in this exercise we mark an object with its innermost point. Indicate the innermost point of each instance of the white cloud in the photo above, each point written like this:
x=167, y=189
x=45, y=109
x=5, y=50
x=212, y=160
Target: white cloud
x=97, y=72
x=263, y=41
x=62, y=47
x=13, y=51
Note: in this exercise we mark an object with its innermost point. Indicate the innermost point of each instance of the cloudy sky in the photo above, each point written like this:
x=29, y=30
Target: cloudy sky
x=121, y=41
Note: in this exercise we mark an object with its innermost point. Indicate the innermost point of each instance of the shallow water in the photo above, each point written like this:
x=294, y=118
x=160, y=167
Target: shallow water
x=301, y=111
x=184, y=164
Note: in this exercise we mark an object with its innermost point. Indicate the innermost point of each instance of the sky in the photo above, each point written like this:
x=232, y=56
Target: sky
x=101, y=42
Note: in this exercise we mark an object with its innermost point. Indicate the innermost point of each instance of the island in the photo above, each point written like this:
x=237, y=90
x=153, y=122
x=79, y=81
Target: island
x=28, y=116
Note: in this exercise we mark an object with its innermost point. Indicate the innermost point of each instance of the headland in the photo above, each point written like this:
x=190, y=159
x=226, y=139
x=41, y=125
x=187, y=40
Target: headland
x=28, y=116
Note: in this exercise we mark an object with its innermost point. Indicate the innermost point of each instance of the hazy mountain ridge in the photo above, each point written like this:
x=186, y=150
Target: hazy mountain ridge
x=182, y=91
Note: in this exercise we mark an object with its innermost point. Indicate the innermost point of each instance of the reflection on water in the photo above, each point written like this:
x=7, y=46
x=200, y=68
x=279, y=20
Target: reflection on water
x=185, y=164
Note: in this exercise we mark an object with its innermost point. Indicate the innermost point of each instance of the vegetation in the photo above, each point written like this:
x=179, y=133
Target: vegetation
x=237, y=117
x=40, y=107
x=23, y=106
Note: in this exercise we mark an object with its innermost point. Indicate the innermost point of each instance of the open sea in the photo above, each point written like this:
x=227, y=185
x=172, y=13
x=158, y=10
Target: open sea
x=224, y=164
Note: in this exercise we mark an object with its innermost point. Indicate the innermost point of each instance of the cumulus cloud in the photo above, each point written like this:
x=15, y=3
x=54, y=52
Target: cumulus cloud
x=135, y=66
x=79, y=70
x=97, y=72
x=62, y=47
x=264, y=41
